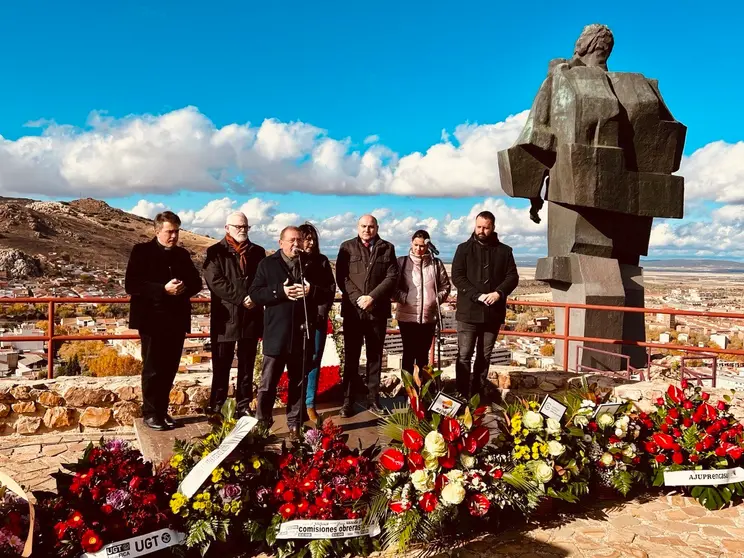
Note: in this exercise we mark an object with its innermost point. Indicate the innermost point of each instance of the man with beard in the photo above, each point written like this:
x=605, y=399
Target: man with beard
x=229, y=269
x=161, y=278
x=484, y=272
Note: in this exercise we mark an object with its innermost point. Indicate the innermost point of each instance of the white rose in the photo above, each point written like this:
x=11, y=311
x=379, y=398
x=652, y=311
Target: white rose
x=431, y=463
x=455, y=475
x=453, y=494
x=622, y=422
x=581, y=421
x=542, y=471
x=619, y=432
x=586, y=403
x=552, y=426
x=629, y=451
x=423, y=481
x=607, y=459
x=605, y=419
x=556, y=448
x=532, y=420
x=468, y=461
x=435, y=444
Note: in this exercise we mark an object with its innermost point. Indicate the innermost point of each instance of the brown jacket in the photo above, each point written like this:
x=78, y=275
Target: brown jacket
x=361, y=271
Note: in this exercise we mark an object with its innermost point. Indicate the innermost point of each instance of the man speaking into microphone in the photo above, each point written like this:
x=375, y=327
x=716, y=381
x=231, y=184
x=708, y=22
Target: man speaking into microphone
x=279, y=287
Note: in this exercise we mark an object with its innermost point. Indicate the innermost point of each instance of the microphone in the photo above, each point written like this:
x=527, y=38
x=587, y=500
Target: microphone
x=432, y=248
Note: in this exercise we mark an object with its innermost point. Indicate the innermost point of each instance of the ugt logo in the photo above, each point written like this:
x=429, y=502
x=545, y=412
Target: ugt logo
x=146, y=543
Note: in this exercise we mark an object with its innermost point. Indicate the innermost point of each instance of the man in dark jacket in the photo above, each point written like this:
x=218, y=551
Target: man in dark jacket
x=278, y=286
x=161, y=278
x=484, y=273
x=367, y=273
x=229, y=269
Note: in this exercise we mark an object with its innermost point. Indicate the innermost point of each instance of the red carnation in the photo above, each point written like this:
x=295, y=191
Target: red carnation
x=498, y=473
x=478, y=505
x=413, y=440
x=674, y=413
x=687, y=422
x=399, y=507
x=287, y=510
x=699, y=446
x=705, y=396
x=735, y=453
x=688, y=405
x=720, y=451
x=721, y=406
x=415, y=461
x=678, y=458
x=660, y=458
x=684, y=384
x=392, y=459
x=694, y=458
x=651, y=447
x=91, y=542
x=428, y=502
x=660, y=401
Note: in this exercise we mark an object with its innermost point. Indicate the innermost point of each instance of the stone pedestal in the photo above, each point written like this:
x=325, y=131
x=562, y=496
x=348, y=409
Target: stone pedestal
x=583, y=279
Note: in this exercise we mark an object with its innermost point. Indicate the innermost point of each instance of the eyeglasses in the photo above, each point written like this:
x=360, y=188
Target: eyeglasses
x=240, y=227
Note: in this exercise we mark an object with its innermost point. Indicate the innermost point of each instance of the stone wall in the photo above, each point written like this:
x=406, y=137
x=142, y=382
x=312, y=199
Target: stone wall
x=85, y=404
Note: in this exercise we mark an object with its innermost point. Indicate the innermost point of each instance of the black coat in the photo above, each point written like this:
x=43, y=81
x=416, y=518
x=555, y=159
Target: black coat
x=480, y=269
x=282, y=316
x=360, y=271
x=229, y=320
x=150, y=268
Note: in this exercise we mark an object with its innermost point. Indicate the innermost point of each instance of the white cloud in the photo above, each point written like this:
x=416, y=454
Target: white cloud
x=147, y=209
x=715, y=172
x=184, y=150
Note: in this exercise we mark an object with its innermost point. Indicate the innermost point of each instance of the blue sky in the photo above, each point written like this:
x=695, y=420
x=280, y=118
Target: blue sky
x=400, y=71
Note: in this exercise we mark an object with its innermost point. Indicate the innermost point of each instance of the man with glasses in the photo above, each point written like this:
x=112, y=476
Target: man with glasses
x=161, y=278
x=280, y=288
x=229, y=269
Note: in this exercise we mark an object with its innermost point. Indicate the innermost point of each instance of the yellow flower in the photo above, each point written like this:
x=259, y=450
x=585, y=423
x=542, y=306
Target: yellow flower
x=176, y=460
x=177, y=502
x=217, y=474
x=256, y=463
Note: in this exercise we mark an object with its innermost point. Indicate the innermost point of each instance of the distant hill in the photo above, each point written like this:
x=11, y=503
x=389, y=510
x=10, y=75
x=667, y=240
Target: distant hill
x=85, y=232
x=679, y=264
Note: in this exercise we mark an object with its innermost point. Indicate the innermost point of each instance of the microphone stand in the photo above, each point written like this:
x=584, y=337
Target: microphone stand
x=439, y=320
x=305, y=338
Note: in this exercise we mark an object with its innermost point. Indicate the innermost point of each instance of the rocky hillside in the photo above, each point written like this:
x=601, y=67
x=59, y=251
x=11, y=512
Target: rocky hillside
x=86, y=232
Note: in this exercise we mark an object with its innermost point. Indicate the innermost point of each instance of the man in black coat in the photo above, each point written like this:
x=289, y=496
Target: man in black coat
x=279, y=288
x=367, y=273
x=161, y=278
x=229, y=269
x=484, y=273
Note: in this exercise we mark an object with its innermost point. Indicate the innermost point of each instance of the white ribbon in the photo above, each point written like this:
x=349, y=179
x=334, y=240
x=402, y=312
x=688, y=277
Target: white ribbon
x=139, y=546
x=708, y=477
x=326, y=529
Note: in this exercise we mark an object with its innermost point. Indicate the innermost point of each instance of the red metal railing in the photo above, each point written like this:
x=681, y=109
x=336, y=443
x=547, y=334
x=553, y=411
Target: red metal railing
x=50, y=338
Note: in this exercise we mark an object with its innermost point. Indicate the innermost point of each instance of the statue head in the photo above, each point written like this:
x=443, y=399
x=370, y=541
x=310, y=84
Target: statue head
x=594, y=45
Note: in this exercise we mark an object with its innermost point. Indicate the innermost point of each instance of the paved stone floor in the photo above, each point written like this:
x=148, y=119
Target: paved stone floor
x=653, y=527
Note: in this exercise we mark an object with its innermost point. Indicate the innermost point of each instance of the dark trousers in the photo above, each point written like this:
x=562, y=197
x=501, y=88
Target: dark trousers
x=161, y=355
x=417, y=340
x=273, y=367
x=222, y=358
x=372, y=333
x=479, y=338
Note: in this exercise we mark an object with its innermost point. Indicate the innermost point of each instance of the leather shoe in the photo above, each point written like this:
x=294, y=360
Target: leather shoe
x=156, y=423
x=311, y=414
x=170, y=421
x=374, y=408
x=347, y=410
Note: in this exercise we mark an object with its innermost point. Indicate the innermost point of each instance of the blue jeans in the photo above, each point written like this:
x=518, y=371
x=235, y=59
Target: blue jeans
x=312, y=378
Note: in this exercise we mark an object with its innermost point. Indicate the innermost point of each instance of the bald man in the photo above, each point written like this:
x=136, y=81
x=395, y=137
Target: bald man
x=229, y=270
x=367, y=273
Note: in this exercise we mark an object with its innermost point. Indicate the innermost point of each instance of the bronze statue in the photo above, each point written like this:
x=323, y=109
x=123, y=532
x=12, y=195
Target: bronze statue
x=602, y=146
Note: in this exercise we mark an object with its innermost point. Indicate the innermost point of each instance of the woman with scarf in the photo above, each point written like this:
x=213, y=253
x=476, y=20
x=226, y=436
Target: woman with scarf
x=318, y=315
x=423, y=284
